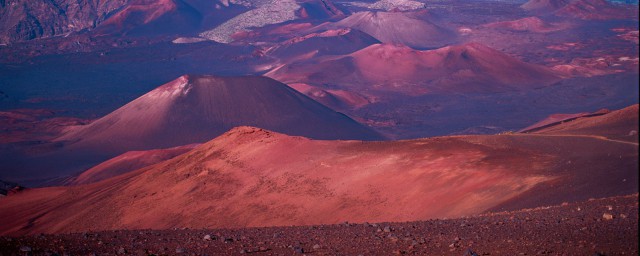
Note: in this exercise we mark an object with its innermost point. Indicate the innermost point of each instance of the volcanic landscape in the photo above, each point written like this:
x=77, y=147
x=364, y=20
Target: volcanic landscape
x=319, y=127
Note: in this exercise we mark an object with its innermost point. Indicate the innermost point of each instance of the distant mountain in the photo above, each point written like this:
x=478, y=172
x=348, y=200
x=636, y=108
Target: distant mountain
x=333, y=98
x=23, y=20
x=391, y=5
x=153, y=16
x=544, y=5
x=29, y=19
x=194, y=109
x=594, y=10
x=398, y=27
x=581, y=9
x=319, y=9
x=329, y=42
x=529, y=24
x=470, y=67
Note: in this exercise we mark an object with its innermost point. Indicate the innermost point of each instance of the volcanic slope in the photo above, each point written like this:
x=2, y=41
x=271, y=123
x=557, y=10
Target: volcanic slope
x=399, y=28
x=544, y=5
x=151, y=16
x=581, y=9
x=596, y=10
x=252, y=177
x=617, y=125
x=129, y=161
x=553, y=119
x=470, y=67
x=529, y=24
x=27, y=19
x=330, y=42
x=195, y=109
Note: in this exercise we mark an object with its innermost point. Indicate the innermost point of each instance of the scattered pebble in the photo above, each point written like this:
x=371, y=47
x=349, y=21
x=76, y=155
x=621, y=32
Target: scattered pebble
x=574, y=235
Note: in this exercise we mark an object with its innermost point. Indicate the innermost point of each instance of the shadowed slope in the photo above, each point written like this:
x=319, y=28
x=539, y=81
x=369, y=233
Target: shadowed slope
x=151, y=16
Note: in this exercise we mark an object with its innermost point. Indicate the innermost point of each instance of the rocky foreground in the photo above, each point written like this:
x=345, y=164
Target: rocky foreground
x=596, y=227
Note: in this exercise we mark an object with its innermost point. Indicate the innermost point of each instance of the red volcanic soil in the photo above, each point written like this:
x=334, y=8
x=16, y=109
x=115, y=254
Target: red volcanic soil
x=287, y=29
x=528, y=24
x=23, y=125
x=464, y=68
x=194, y=109
x=617, y=125
x=250, y=177
x=581, y=228
x=544, y=5
x=553, y=120
x=398, y=27
x=596, y=10
x=170, y=15
x=582, y=9
x=335, y=99
x=329, y=42
x=127, y=162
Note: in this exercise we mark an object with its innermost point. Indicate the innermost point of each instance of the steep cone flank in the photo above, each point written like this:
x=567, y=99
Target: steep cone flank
x=151, y=16
x=254, y=177
x=194, y=109
x=464, y=68
x=399, y=27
